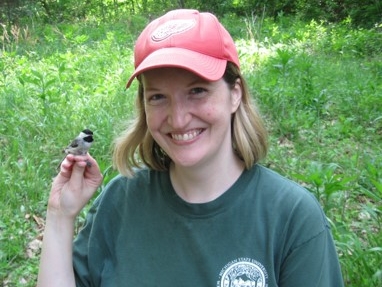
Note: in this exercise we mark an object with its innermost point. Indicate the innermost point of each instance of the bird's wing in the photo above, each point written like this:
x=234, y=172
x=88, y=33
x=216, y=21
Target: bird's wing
x=74, y=143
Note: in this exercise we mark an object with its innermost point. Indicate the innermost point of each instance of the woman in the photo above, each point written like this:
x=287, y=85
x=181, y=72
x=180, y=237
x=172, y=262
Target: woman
x=201, y=212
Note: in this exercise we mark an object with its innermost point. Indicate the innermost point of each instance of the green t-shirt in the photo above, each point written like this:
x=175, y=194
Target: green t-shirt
x=263, y=231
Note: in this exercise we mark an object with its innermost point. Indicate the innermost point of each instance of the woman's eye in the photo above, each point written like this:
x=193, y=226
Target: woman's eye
x=198, y=91
x=155, y=99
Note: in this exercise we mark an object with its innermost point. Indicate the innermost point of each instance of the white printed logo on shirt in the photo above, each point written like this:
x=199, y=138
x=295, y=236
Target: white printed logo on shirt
x=243, y=272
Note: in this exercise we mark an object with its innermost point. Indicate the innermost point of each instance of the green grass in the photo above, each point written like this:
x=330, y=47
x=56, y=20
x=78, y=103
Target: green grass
x=318, y=85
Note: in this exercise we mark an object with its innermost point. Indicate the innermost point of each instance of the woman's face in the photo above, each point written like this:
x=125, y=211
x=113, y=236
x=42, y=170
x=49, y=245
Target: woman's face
x=189, y=117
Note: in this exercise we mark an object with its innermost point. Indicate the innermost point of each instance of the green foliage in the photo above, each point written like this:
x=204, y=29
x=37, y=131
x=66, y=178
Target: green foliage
x=317, y=84
x=366, y=13
x=319, y=87
x=49, y=93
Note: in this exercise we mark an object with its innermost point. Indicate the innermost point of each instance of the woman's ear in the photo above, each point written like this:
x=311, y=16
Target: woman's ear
x=236, y=94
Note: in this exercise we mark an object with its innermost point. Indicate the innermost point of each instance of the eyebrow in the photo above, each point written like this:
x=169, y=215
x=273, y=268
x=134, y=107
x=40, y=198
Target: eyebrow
x=150, y=89
x=196, y=81
x=199, y=80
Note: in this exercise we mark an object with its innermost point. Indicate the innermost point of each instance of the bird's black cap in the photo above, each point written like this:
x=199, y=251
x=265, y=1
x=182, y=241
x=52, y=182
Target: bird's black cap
x=87, y=131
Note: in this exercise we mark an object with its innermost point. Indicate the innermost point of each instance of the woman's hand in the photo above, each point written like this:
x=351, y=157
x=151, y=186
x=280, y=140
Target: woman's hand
x=78, y=179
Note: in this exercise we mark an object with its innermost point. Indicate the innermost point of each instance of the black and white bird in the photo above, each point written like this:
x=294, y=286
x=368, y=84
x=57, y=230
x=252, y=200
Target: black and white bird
x=81, y=144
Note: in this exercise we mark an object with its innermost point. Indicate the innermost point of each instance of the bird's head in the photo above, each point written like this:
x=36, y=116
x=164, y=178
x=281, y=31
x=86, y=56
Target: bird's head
x=87, y=135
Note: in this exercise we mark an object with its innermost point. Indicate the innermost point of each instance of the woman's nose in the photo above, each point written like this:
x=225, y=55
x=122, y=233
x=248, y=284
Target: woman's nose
x=178, y=114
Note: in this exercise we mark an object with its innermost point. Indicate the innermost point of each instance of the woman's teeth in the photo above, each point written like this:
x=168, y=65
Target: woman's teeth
x=185, y=137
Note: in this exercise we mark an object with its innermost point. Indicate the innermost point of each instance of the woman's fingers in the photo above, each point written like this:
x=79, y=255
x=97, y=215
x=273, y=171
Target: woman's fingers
x=78, y=170
x=76, y=183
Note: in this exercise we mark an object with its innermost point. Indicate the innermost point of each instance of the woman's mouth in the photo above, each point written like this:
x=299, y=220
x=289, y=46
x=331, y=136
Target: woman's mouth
x=186, y=136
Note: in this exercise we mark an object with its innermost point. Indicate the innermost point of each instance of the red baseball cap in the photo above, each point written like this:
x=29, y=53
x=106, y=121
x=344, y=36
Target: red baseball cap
x=185, y=39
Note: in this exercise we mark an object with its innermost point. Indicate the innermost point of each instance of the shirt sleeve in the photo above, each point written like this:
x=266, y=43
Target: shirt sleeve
x=309, y=256
x=313, y=263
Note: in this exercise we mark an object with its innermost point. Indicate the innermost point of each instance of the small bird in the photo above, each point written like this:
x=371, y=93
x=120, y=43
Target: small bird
x=80, y=145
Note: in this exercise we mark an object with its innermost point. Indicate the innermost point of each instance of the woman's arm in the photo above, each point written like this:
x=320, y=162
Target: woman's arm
x=73, y=187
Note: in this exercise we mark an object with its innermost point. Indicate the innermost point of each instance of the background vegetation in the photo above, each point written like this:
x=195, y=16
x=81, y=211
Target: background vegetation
x=315, y=69
x=365, y=12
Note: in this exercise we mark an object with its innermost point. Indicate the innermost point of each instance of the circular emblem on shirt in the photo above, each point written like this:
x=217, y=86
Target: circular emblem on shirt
x=243, y=272
x=172, y=27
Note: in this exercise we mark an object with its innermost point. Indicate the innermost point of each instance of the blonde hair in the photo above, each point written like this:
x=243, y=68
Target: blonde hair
x=136, y=147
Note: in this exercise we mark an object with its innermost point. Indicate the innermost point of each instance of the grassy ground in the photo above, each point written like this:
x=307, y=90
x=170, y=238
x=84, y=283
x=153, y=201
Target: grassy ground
x=318, y=85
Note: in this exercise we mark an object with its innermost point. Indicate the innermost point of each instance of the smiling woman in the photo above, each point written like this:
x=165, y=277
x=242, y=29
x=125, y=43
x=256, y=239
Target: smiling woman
x=192, y=206
x=249, y=137
x=191, y=119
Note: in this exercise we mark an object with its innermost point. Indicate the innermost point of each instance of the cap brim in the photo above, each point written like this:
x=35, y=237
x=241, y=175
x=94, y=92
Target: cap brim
x=207, y=67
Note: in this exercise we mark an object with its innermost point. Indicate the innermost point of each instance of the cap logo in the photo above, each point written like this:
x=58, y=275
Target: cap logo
x=172, y=27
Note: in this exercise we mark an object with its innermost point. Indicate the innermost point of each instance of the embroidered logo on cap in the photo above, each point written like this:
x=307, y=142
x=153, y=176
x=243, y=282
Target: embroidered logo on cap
x=172, y=27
